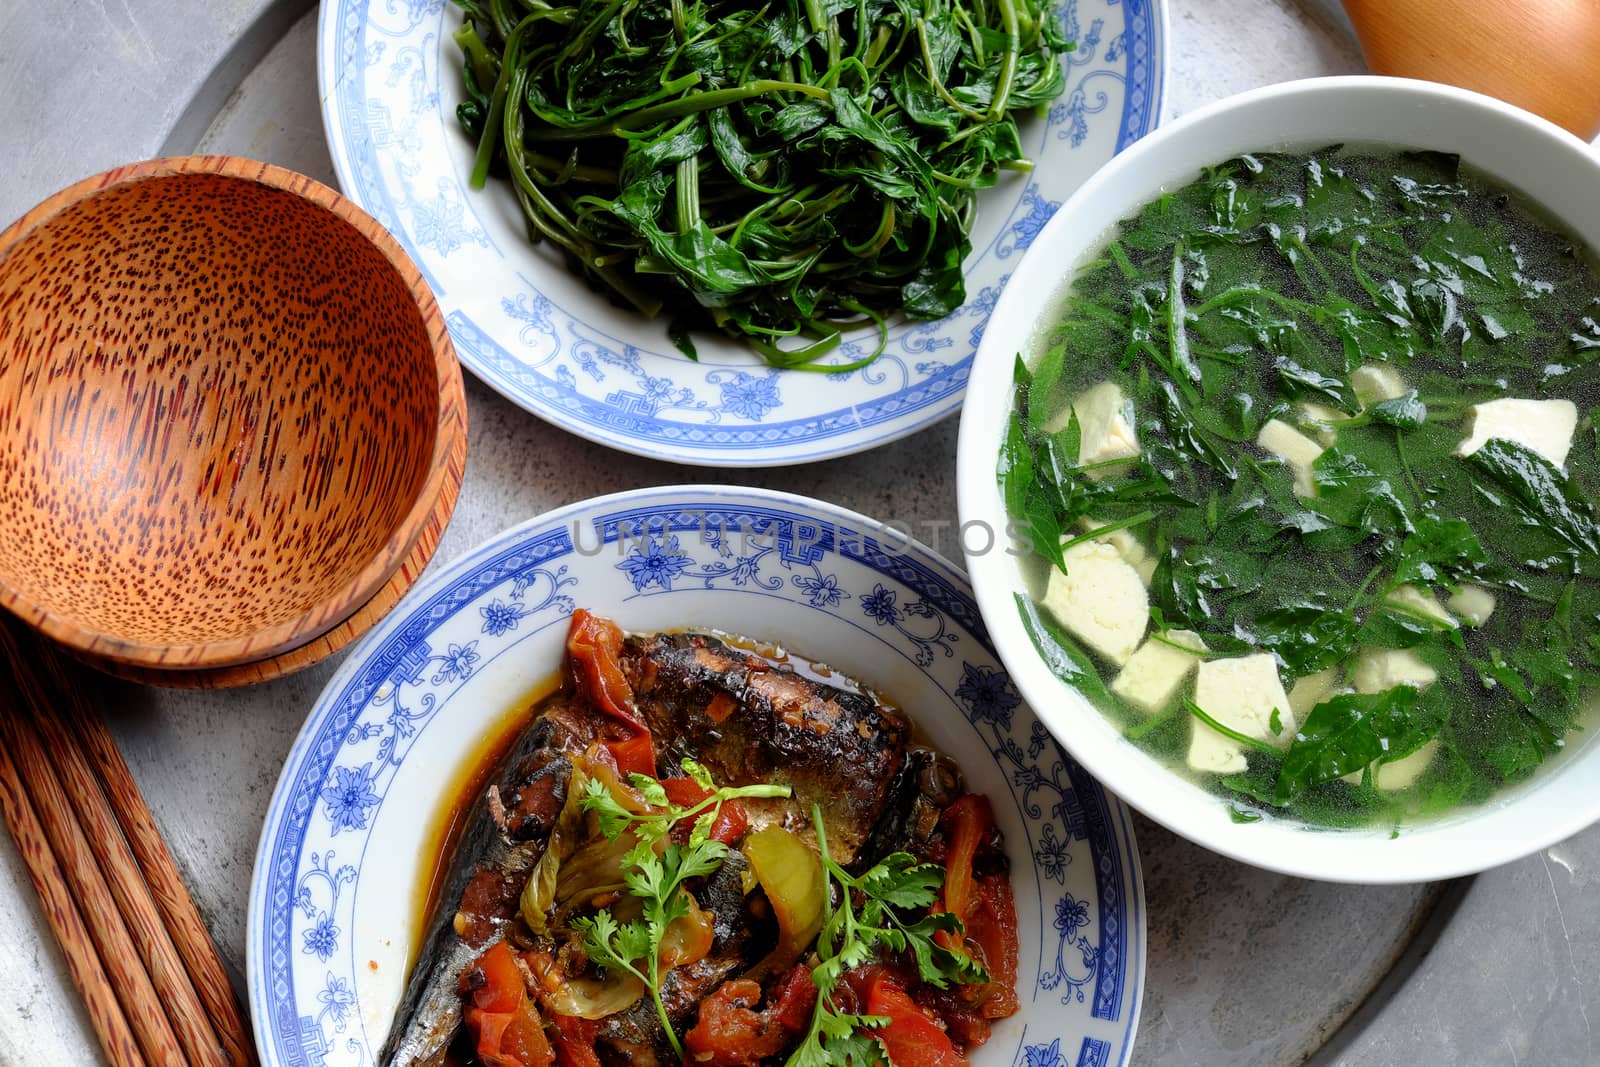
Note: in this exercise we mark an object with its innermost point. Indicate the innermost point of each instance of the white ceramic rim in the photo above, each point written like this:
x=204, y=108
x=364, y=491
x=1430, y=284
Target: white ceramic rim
x=1522, y=819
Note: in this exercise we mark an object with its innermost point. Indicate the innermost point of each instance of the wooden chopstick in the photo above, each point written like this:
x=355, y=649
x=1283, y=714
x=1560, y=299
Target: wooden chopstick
x=166, y=970
x=87, y=884
x=105, y=1014
x=96, y=820
x=178, y=912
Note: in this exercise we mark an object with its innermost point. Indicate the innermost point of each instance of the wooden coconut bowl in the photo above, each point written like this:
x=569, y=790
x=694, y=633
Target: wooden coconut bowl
x=229, y=409
x=324, y=644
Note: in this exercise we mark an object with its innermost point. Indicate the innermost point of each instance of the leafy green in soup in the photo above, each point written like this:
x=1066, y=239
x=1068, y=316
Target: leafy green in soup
x=1307, y=466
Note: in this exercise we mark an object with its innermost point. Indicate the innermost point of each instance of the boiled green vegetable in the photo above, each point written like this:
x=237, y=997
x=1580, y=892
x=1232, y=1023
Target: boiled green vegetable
x=776, y=172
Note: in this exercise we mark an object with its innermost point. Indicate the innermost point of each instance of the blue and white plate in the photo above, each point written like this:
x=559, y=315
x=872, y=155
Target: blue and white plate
x=339, y=869
x=390, y=81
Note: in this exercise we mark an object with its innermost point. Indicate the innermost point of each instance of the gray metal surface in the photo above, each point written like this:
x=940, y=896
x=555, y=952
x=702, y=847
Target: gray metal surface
x=1245, y=967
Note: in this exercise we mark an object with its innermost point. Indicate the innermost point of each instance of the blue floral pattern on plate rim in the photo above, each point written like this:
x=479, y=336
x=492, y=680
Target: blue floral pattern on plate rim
x=387, y=79
x=1083, y=904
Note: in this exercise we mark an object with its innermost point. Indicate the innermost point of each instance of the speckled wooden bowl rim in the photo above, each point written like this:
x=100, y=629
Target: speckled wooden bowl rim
x=443, y=480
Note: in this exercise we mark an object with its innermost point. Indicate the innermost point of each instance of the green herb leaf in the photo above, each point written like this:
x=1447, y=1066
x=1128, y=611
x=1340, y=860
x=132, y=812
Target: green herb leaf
x=1347, y=732
x=699, y=775
x=1016, y=469
x=649, y=788
x=1389, y=627
x=615, y=946
x=1438, y=550
x=1534, y=485
x=936, y=965
x=866, y=921
x=1307, y=637
x=1314, y=385
x=655, y=877
x=899, y=881
x=1066, y=660
x=611, y=815
x=1403, y=412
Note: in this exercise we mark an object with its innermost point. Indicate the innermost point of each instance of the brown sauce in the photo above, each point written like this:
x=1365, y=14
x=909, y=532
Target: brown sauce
x=463, y=789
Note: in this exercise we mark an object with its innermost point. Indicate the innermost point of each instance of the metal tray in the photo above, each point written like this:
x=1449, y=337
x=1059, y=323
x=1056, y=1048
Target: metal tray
x=1245, y=967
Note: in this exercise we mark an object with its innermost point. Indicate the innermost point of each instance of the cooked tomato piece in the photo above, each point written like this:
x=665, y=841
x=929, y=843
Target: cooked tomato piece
x=730, y=824
x=522, y=1044
x=966, y=1028
x=993, y=929
x=594, y=649
x=634, y=755
x=728, y=827
x=968, y=823
x=683, y=792
x=494, y=983
x=850, y=995
x=575, y=1041
x=489, y=1028
x=793, y=1000
x=503, y=1021
x=731, y=1033
x=985, y=906
x=911, y=1036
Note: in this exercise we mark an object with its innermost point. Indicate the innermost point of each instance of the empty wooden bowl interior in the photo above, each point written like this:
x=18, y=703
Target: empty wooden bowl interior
x=219, y=411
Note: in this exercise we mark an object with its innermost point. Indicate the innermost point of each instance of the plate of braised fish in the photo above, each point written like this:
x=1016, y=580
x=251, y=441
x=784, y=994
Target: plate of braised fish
x=690, y=775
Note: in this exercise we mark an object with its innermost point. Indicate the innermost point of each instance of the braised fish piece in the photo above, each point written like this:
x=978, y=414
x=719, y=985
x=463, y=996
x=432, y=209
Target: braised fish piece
x=500, y=842
x=635, y=1036
x=927, y=783
x=749, y=720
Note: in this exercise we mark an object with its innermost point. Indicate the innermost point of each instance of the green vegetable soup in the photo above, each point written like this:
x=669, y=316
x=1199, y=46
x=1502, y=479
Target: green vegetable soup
x=1307, y=462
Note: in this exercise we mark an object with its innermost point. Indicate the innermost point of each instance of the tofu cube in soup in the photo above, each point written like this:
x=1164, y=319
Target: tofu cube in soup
x=1241, y=694
x=1401, y=773
x=1377, y=382
x=1127, y=546
x=1472, y=604
x=1154, y=674
x=1296, y=450
x=1311, y=690
x=1320, y=422
x=1105, y=427
x=1378, y=669
x=1101, y=600
x=1542, y=426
